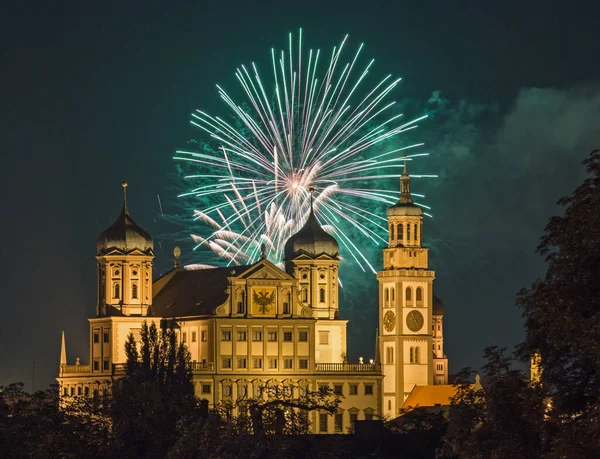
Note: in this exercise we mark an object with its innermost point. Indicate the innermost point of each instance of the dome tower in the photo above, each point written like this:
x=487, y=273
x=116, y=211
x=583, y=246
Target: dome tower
x=312, y=257
x=124, y=252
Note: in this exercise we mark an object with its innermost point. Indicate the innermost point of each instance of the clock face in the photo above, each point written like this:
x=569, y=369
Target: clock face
x=414, y=321
x=389, y=321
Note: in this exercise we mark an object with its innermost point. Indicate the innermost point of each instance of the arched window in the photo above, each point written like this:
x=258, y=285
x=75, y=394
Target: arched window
x=392, y=232
x=408, y=231
x=390, y=355
x=412, y=355
x=304, y=295
x=408, y=295
x=117, y=292
x=400, y=232
x=393, y=294
x=389, y=405
x=419, y=294
x=387, y=295
x=322, y=295
x=415, y=234
x=417, y=354
x=134, y=293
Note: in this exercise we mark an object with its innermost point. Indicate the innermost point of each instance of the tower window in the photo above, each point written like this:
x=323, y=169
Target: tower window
x=387, y=295
x=408, y=294
x=392, y=233
x=412, y=355
x=390, y=355
x=117, y=291
x=417, y=354
x=408, y=231
x=419, y=294
x=400, y=232
x=134, y=291
x=415, y=234
x=322, y=295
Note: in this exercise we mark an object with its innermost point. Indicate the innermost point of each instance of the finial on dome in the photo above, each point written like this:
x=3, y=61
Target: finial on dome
x=263, y=250
x=311, y=190
x=177, y=254
x=124, y=185
x=405, y=185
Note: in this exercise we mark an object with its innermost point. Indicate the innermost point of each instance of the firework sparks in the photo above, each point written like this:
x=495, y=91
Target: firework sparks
x=312, y=131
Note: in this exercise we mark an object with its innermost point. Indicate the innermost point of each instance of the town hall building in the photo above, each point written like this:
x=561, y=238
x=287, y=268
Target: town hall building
x=247, y=327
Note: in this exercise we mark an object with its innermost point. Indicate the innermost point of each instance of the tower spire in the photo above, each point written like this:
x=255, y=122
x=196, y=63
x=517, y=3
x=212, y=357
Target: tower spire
x=63, y=350
x=311, y=190
x=124, y=184
x=405, y=185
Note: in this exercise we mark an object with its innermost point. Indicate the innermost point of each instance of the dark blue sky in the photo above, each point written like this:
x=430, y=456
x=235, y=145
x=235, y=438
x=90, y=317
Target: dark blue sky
x=94, y=94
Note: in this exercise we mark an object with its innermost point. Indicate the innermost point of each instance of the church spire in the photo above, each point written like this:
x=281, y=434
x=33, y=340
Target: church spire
x=405, y=186
x=63, y=351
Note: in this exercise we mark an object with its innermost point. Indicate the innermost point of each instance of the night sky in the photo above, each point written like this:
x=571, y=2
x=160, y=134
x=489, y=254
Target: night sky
x=95, y=94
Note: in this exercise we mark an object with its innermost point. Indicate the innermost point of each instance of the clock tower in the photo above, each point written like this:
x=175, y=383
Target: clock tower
x=405, y=304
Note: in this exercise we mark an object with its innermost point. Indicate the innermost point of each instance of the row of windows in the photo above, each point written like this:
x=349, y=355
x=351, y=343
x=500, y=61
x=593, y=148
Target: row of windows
x=391, y=293
x=415, y=355
x=400, y=232
x=105, y=364
x=258, y=335
x=106, y=336
x=304, y=294
x=272, y=363
x=338, y=420
x=117, y=291
x=203, y=336
x=338, y=389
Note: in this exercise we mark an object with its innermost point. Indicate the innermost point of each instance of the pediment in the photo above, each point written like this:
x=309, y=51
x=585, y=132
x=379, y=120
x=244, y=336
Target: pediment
x=264, y=269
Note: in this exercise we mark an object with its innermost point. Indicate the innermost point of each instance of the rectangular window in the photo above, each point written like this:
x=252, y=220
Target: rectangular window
x=194, y=337
x=241, y=363
x=241, y=336
x=257, y=363
x=288, y=364
x=272, y=363
x=303, y=336
x=324, y=337
x=286, y=307
x=86, y=391
x=106, y=336
x=226, y=363
x=184, y=337
x=225, y=335
x=303, y=364
x=240, y=307
x=338, y=389
x=203, y=335
x=272, y=336
x=256, y=336
x=206, y=388
x=79, y=390
x=353, y=418
x=105, y=365
x=353, y=389
x=323, y=422
x=287, y=336
x=368, y=416
x=96, y=336
x=96, y=364
x=323, y=387
x=368, y=389
x=339, y=422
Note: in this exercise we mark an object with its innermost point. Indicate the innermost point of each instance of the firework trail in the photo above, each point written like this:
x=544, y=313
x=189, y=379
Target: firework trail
x=317, y=128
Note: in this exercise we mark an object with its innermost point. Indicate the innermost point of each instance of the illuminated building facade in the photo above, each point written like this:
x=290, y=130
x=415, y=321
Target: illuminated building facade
x=248, y=327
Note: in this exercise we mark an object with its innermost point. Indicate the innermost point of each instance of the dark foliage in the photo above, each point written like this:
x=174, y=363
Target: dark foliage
x=562, y=318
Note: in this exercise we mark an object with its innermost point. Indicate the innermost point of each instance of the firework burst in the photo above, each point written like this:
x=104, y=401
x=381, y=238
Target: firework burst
x=318, y=128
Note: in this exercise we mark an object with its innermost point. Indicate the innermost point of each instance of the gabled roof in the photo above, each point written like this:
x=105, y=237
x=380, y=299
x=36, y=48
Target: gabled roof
x=194, y=292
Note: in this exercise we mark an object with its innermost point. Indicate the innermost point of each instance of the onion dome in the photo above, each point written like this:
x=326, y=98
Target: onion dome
x=311, y=239
x=405, y=205
x=438, y=306
x=124, y=234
